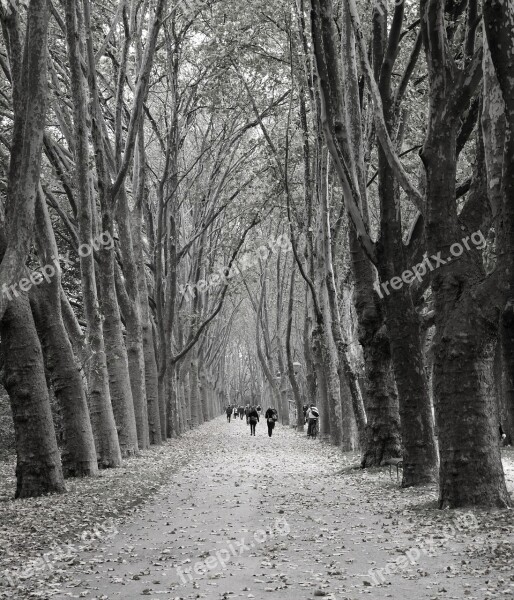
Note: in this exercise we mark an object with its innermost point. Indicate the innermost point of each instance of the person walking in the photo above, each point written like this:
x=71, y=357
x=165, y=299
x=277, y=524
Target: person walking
x=247, y=412
x=312, y=419
x=253, y=418
x=229, y=412
x=271, y=418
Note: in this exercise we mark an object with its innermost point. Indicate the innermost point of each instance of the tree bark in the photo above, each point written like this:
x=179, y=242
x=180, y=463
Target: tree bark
x=30, y=90
x=134, y=342
x=498, y=24
x=79, y=456
x=471, y=472
x=117, y=365
x=102, y=418
x=38, y=468
x=150, y=361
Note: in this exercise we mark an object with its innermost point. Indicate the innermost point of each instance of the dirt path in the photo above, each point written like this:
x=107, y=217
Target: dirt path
x=287, y=518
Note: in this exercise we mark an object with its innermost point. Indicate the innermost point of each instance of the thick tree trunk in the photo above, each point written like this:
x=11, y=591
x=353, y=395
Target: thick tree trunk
x=403, y=326
x=117, y=365
x=498, y=24
x=28, y=60
x=134, y=341
x=471, y=472
x=382, y=409
x=102, y=418
x=383, y=439
x=38, y=469
x=79, y=455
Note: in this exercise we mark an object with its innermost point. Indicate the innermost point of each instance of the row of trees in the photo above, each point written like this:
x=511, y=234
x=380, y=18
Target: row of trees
x=195, y=136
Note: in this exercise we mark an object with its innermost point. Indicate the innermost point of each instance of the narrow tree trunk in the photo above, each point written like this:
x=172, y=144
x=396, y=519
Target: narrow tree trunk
x=321, y=377
x=290, y=367
x=310, y=371
x=195, y=400
x=151, y=383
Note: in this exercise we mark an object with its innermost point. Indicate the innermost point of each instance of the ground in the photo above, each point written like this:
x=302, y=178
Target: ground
x=219, y=514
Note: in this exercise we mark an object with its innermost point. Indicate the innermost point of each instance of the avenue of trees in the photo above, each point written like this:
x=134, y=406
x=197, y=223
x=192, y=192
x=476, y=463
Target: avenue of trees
x=256, y=203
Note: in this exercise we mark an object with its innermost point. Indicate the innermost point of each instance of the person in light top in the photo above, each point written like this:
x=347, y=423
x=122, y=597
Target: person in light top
x=312, y=419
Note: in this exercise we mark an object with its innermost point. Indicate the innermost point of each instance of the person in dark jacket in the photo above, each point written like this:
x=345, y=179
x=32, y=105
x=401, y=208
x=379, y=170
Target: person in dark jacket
x=271, y=418
x=229, y=412
x=253, y=419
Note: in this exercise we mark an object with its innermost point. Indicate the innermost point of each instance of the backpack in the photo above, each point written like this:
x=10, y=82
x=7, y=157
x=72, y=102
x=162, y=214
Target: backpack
x=315, y=412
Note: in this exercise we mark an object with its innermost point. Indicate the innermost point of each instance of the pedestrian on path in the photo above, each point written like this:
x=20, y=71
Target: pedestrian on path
x=312, y=419
x=253, y=418
x=271, y=419
x=229, y=412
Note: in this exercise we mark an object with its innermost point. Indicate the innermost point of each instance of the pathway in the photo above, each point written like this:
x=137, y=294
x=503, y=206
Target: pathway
x=286, y=518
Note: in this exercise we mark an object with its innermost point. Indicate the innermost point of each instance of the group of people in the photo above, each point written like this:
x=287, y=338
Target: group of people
x=253, y=416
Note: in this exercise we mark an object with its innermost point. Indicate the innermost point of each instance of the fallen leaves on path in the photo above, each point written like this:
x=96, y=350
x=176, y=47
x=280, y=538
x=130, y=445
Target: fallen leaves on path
x=216, y=488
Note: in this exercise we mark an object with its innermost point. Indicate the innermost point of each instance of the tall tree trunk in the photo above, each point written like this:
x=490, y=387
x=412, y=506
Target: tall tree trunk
x=79, y=456
x=151, y=383
x=498, y=23
x=403, y=326
x=135, y=350
x=28, y=60
x=117, y=365
x=102, y=418
x=195, y=400
x=331, y=366
x=383, y=417
x=310, y=371
x=38, y=468
x=289, y=354
x=321, y=377
x=471, y=472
